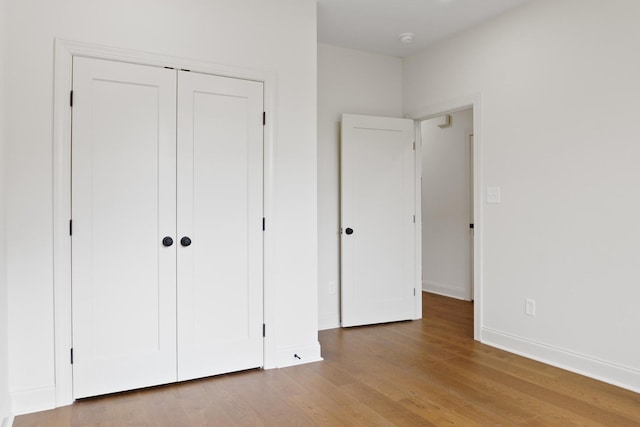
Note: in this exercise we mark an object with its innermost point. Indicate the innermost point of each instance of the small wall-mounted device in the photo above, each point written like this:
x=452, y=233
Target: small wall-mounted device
x=443, y=121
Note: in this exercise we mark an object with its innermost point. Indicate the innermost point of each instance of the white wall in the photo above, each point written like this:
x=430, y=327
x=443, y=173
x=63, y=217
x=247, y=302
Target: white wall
x=559, y=89
x=446, y=206
x=349, y=81
x=5, y=407
x=252, y=34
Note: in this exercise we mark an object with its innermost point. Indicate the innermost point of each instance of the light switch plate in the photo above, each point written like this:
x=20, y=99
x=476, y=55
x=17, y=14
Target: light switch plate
x=493, y=195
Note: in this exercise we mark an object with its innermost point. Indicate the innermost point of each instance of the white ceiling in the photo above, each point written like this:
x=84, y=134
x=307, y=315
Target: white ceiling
x=374, y=25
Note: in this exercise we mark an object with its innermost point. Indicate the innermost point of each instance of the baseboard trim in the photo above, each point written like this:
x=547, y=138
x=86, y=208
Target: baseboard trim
x=444, y=289
x=7, y=421
x=328, y=325
x=35, y=400
x=305, y=354
x=602, y=370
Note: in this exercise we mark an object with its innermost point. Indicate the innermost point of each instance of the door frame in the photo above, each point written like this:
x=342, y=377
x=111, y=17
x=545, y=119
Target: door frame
x=65, y=50
x=435, y=110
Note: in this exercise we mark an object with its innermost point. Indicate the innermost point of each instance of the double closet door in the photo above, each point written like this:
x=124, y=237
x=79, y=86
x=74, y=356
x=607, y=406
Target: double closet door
x=167, y=207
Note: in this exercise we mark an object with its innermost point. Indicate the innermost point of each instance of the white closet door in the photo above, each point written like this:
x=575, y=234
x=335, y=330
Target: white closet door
x=123, y=204
x=220, y=210
x=377, y=218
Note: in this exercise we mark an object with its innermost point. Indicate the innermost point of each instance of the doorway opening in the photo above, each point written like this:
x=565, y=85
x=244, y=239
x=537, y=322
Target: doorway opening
x=447, y=207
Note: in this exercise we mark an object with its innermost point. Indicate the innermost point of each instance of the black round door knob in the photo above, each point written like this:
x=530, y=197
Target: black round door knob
x=167, y=241
x=185, y=241
x=349, y=231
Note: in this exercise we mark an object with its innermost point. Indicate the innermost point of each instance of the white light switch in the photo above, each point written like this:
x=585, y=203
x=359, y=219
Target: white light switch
x=493, y=195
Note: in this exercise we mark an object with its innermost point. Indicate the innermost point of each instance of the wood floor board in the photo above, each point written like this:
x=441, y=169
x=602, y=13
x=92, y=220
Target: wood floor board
x=427, y=372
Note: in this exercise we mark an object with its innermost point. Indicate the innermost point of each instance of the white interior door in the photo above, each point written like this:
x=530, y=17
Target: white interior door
x=123, y=204
x=220, y=155
x=377, y=220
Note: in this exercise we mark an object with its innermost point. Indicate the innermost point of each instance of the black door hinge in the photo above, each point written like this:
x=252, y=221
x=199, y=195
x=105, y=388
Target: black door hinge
x=470, y=225
x=70, y=227
x=264, y=330
x=72, y=356
x=71, y=99
x=264, y=225
x=264, y=118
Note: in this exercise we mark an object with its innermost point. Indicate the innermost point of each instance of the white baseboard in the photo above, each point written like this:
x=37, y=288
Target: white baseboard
x=602, y=370
x=7, y=421
x=328, y=324
x=305, y=354
x=444, y=289
x=35, y=400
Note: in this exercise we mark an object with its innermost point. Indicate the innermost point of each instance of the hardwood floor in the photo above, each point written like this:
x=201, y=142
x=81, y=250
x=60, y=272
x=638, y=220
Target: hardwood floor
x=420, y=373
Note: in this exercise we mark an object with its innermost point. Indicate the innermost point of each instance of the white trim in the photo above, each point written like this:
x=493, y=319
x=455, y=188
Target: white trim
x=7, y=421
x=445, y=290
x=612, y=373
x=64, y=52
x=448, y=107
x=418, y=209
x=307, y=354
x=324, y=325
x=38, y=399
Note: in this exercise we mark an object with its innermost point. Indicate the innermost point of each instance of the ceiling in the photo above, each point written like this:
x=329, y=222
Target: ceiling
x=375, y=25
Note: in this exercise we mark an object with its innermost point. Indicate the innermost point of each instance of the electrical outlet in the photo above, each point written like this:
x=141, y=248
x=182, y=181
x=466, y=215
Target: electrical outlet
x=530, y=307
x=332, y=287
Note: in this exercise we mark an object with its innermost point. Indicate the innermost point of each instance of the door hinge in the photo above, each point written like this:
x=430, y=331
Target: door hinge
x=264, y=224
x=264, y=118
x=414, y=146
x=264, y=330
x=414, y=292
x=71, y=99
x=414, y=219
x=71, y=356
x=70, y=227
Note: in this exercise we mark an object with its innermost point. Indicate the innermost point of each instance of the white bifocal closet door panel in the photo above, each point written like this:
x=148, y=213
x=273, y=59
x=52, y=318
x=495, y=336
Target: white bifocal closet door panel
x=377, y=219
x=220, y=155
x=123, y=204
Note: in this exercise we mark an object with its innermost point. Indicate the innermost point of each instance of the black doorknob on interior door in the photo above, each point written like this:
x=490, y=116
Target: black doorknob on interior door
x=167, y=241
x=349, y=231
x=185, y=241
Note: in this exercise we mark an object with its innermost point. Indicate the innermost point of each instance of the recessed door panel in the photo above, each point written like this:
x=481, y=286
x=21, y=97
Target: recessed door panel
x=220, y=211
x=123, y=203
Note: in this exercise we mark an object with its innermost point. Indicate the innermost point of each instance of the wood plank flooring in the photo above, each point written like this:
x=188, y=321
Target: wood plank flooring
x=421, y=373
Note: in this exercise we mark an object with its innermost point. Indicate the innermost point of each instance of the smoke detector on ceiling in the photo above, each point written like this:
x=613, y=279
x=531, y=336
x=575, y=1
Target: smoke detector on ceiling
x=406, y=37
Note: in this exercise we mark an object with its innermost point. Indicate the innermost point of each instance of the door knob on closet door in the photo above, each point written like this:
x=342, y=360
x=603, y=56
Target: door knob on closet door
x=167, y=241
x=185, y=241
x=349, y=231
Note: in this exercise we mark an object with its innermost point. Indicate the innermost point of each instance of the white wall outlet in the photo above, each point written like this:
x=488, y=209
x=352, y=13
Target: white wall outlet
x=493, y=195
x=530, y=307
x=333, y=287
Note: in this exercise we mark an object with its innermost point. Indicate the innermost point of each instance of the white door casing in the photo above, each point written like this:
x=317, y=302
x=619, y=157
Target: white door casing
x=220, y=153
x=123, y=202
x=378, y=206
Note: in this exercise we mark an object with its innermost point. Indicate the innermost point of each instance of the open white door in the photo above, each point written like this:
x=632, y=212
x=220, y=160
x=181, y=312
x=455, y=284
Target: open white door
x=123, y=205
x=220, y=211
x=377, y=220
